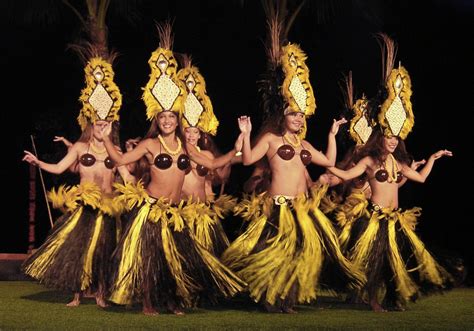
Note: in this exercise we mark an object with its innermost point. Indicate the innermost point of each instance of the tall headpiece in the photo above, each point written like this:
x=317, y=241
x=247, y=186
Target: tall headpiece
x=164, y=91
x=197, y=110
x=360, y=126
x=101, y=98
x=396, y=115
x=296, y=88
x=285, y=87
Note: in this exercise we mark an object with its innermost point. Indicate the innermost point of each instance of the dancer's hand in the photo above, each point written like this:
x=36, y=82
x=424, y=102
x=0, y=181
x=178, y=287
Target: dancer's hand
x=336, y=124
x=31, y=158
x=106, y=130
x=245, y=125
x=132, y=143
x=324, y=179
x=441, y=153
x=63, y=140
x=416, y=164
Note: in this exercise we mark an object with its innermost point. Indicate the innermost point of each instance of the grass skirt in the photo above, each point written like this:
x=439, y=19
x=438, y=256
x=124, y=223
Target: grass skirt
x=281, y=254
x=76, y=254
x=204, y=220
x=353, y=208
x=398, y=266
x=159, y=256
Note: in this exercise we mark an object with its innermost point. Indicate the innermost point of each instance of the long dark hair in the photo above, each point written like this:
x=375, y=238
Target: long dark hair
x=142, y=170
x=374, y=148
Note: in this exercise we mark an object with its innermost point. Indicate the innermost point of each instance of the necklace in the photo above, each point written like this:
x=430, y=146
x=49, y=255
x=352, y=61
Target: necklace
x=294, y=144
x=170, y=151
x=392, y=175
x=96, y=150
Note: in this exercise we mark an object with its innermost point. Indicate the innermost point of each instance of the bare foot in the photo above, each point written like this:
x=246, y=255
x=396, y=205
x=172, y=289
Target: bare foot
x=178, y=312
x=175, y=310
x=150, y=311
x=399, y=307
x=376, y=307
x=289, y=311
x=101, y=302
x=74, y=303
x=271, y=308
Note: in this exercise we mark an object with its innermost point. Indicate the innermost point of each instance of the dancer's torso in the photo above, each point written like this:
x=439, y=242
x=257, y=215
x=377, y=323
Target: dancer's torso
x=384, y=189
x=166, y=172
x=288, y=166
x=195, y=181
x=96, y=168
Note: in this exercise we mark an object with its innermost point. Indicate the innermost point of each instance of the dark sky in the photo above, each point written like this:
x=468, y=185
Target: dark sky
x=225, y=39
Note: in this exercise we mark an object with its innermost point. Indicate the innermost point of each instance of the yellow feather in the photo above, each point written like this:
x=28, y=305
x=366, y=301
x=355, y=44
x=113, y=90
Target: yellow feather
x=207, y=121
x=153, y=106
x=404, y=94
x=293, y=63
x=428, y=268
x=88, y=113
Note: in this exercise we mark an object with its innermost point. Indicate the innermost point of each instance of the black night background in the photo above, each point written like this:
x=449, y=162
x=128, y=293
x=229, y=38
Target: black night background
x=42, y=82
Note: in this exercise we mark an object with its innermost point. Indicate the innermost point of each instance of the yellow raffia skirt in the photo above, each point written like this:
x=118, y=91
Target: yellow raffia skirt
x=353, y=208
x=285, y=248
x=383, y=242
x=76, y=254
x=204, y=219
x=159, y=255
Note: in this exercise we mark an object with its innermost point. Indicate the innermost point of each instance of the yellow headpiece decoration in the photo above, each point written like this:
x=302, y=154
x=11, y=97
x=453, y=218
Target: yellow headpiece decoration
x=164, y=91
x=296, y=88
x=197, y=110
x=396, y=115
x=101, y=98
x=360, y=126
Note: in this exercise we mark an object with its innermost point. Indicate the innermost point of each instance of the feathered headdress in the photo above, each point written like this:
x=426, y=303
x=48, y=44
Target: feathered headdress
x=164, y=91
x=360, y=127
x=296, y=88
x=396, y=115
x=197, y=110
x=101, y=98
x=285, y=87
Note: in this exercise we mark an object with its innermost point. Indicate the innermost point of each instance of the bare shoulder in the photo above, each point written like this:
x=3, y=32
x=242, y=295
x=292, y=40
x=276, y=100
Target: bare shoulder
x=306, y=143
x=148, y=143
x=368, y=161
x=80, y=146
x=269, y=137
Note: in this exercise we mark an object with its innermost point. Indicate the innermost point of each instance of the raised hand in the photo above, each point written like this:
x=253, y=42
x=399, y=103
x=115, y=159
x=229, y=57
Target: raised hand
x=63, y=140
x=416, y=164
x=441, y=153
x=325, y=179
x=336, y=124
x=30, y=158
x=132, y=143
x=106, y=130
x=245, y=125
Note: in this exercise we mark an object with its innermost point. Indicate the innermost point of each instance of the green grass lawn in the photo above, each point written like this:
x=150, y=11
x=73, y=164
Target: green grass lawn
x=27, y=305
